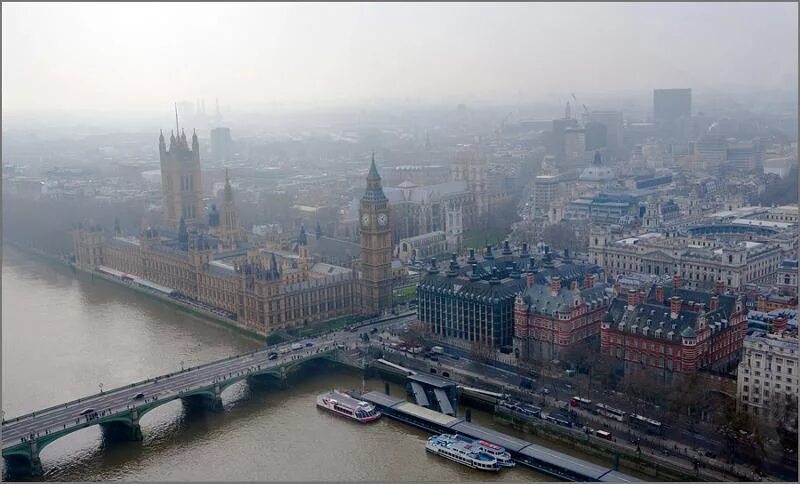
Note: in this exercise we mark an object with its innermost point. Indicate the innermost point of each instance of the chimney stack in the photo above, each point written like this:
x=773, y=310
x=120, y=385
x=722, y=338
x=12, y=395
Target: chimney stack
x=675, y=306
x=529, y=278
x=588, y=281
x=633, y=298
x=659, y=295
x=555, y=285
x=676, y=281
x=778, y=325
x=719, y=287
x=714, y=303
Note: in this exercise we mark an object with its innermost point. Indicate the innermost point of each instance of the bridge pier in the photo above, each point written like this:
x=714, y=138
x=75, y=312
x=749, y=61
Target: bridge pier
x=136, y=429
x=214, y=404
x=25, y=465
x=284, y=378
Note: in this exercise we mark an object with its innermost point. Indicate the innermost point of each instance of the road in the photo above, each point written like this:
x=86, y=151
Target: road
x=168, y=387
x=508, y=379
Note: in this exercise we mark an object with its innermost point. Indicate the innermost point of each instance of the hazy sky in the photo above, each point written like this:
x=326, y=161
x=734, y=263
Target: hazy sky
x=137, y=57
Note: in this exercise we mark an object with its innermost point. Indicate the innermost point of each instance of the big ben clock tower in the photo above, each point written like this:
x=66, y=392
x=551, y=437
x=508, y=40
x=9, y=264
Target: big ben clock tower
x=376, y=246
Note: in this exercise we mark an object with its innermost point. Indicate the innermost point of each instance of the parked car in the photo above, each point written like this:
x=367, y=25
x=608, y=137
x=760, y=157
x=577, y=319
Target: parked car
x=87, y=411
x=138, y=396
x=272, y=356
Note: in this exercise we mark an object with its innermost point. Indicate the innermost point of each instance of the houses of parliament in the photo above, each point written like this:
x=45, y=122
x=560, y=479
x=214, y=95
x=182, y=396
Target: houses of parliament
x=206, y=259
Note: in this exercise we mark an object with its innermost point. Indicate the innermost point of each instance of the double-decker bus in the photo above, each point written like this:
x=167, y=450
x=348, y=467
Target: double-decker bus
x=610, y=412
x=648, y=424
x=580, y=402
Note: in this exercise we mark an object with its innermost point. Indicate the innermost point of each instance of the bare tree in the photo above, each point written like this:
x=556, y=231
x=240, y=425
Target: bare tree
x=481, y=352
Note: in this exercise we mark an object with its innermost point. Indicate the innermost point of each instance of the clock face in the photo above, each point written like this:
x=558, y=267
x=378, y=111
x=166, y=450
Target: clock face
x=383, y=219
x=365, y=219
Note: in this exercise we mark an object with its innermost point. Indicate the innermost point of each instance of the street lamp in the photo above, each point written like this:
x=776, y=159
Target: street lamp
x=181, y=365
x=101, y=387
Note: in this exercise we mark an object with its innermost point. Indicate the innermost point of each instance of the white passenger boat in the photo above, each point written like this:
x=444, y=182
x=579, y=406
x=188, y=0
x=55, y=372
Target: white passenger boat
x=458, y=450
x=348, y=406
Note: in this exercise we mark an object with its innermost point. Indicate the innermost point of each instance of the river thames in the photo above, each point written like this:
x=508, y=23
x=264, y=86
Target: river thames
x=65, y=334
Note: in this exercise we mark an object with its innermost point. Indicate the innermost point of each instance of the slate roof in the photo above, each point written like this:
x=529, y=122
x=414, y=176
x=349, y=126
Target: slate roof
x=340, y=251
x=481, y=290
x=540, y=298
x=656, y=316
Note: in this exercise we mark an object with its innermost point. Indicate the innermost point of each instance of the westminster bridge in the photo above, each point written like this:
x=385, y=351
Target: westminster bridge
x=118, y=411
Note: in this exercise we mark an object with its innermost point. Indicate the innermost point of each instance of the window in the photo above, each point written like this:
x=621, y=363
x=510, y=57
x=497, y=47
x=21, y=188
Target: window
x=789, y=370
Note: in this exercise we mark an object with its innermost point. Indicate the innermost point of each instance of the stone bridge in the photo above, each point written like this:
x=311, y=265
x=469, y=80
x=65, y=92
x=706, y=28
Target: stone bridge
x=119, y=411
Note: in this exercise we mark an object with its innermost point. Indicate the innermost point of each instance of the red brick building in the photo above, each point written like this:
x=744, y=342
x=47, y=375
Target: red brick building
x=551, y=318
x=675, y=330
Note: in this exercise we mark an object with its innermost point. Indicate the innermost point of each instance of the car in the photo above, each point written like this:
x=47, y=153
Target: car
x=309, y=344
x=138, y=396
x=374, y=330
x=434, y=358
x=446, y=374
x=455, y=356
x=433, y=370
x=272, y=356
x=546, y=391
x=88, y=411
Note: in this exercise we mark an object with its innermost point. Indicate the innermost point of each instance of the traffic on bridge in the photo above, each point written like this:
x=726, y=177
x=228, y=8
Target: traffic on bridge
x=23, y=437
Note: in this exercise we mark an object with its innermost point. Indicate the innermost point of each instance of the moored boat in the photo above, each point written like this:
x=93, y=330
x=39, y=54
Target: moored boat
x=500, y=453
x=347, y=406
x=458, y=450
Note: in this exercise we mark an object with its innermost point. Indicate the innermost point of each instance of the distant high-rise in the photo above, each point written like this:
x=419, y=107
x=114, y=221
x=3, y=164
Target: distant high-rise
x=221, y=144
x=560, y=127
x=671, y=104
x=574, y=146
x=612, y=120
x=596, y=136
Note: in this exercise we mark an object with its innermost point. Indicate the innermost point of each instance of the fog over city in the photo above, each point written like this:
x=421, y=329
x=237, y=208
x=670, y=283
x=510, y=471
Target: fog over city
x=140, y=57
x=400, y=242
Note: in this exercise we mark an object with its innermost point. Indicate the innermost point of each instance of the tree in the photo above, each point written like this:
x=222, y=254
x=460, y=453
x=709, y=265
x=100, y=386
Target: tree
x=566, y=235
x=417, y=333
x=481, y=352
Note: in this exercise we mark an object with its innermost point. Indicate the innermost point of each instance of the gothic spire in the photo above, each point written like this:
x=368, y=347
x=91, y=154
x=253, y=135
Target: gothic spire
x=373, y=170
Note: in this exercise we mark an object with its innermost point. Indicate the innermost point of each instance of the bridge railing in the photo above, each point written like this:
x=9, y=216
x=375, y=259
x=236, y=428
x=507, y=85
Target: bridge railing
x=168, y=375
x=131, y=385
